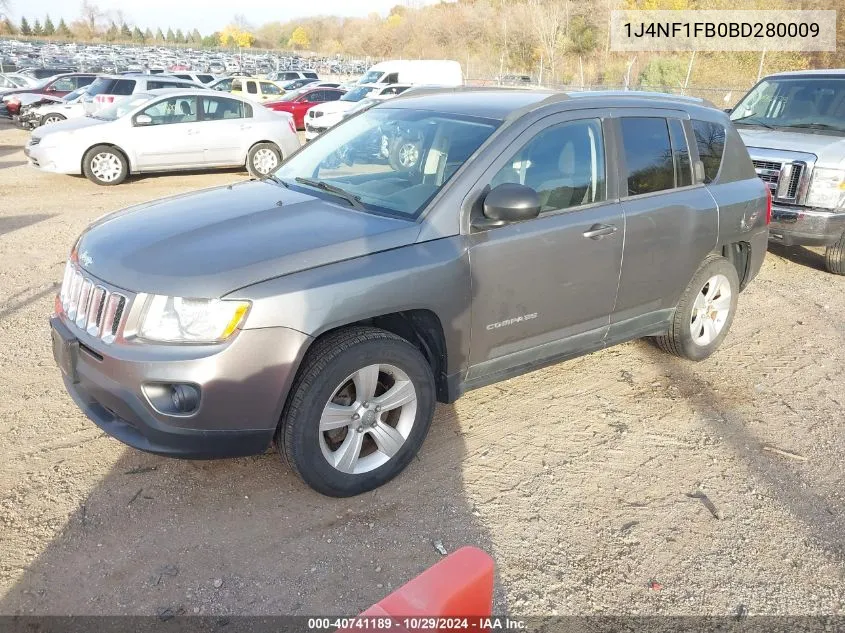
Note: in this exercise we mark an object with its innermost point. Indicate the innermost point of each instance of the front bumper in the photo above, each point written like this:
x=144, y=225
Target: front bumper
x=243, y=385
x=312, y=130
x=52, y=159
x=805, y=226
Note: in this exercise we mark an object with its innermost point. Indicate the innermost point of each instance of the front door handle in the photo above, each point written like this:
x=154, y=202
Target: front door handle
x=598, y=231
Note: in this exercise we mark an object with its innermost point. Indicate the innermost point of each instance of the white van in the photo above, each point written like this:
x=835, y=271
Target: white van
x=434, y=72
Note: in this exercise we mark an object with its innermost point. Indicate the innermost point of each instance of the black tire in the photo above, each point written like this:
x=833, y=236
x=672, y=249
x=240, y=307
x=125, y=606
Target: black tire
x=105, y=150
x=679, y=339
x=47, y=119
x=326, y=366
x=834, y=257
x=400, y=161
x=255, y=171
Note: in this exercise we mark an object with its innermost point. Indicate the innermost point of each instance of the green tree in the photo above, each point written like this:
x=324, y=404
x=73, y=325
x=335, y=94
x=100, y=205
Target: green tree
x=180, y=37
x=125, y=32
x=112, y=33
x=25, y=28
x=37, y=29
x=159, y=35
x=583, y=36
x=663, y=73
x=148, y=35
x=49, y=29
x=196, y=38
x=211, y=41
x=137, y=36
x=62, y=30
x=170, y=36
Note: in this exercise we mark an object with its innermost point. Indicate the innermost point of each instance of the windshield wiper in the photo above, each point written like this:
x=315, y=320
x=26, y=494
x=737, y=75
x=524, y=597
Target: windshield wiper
x=757, y=122
x=275, y=179
x=351, y=198
x=817, y=126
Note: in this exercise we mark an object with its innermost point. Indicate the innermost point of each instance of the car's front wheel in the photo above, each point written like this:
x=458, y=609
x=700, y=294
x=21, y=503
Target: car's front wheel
x=105, y=165
x=834, y=257
x=358, y=412
x=263, y=159
x=705, y=311
x=49, y=119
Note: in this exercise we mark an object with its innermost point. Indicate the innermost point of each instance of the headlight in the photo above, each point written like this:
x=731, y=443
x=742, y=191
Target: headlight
x=827, y=189
x=180, y=320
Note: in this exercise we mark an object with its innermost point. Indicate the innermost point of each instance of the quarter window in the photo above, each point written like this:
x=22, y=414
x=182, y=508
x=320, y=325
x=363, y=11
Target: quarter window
x=564, y=164
x=648, y=154
x=683, y=167
x=710, y=139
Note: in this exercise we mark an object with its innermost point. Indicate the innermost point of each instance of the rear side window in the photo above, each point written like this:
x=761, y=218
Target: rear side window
x=252, y=87
x=84, y=81
x=710, y=139
x=648, y=154
x=205, y=78
x=123, y=87
x=310, y=75
x=683, y=167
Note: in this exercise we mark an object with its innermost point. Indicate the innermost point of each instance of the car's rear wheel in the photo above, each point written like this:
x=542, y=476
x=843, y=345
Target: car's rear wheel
x=358, y=412
x=705, y=311
x=834, y=257
x=48, y=119
x=105, y=165
x=263, y=159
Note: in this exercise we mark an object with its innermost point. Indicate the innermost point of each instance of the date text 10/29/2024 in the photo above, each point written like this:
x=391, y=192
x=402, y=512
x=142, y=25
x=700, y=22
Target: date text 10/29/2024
x=416, y=623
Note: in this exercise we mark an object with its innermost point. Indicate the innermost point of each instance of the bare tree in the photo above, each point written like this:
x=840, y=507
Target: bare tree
x=549, y=20
x=5, y=8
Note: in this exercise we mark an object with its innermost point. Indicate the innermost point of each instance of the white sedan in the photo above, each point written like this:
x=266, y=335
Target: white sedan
x=166, y=130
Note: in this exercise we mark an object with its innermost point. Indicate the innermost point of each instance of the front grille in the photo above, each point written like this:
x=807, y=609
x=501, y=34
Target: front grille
x=784, y=179
x=93, y=308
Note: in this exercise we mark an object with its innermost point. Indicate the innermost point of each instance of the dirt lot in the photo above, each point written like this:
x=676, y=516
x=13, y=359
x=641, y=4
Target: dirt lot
x=584, y=480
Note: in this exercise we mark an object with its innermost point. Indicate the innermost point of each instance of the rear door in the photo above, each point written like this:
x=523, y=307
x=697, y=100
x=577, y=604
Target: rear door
x=545, y=288
x=222, y=126
x=671, y=220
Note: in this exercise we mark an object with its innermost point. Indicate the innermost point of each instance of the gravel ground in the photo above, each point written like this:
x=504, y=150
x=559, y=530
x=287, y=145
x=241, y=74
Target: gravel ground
x=623, y=482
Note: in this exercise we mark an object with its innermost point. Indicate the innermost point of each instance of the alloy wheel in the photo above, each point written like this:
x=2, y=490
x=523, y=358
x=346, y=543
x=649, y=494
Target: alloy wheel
x=710, y=310
x=106, y=167
x=368, y=419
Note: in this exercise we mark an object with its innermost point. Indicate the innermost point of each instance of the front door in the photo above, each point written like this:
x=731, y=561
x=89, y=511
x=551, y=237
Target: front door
x=172, y=139
x=545, y=288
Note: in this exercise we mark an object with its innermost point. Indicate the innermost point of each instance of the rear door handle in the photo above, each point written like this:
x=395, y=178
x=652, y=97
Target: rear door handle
x=598, y=231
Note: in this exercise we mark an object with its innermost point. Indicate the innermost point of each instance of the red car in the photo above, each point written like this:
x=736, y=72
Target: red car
x=56, y=86
x=299, y=101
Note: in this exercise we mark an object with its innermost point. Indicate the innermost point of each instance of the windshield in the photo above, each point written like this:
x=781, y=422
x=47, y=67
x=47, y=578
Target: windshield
x=371, y=77
x=122, y=108
x=803, y=102
x=389, y=161
x=290, y=95
x=357, y=94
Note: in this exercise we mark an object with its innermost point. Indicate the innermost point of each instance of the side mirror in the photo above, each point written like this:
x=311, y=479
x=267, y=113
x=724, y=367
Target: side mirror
x=507, y=203
x=729, y=110
x=143, y=119
x=50, y=89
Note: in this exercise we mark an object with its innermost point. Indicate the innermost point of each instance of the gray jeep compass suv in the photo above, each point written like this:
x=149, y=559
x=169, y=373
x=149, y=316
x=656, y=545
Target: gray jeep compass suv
x=330, y=305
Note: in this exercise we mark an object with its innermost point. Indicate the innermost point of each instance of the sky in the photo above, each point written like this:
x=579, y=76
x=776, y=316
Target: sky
x=206, y=15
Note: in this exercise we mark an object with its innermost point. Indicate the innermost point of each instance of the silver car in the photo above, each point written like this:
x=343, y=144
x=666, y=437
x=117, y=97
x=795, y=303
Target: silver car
x=327, y=308
x=165, y=130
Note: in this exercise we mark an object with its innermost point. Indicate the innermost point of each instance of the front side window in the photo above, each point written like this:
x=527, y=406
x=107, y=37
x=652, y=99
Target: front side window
x=710, y=139
x=388, y=161
x=65, y=84
x=173, y=110
x=220, y=109
x=564, y=164
x=648, y=154
x=237, y=85
x=225, y=85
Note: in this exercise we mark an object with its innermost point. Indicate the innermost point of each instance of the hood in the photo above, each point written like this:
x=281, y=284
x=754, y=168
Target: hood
x=335, y=106
x=209, y=243
x=71, y=125
x=829, y=149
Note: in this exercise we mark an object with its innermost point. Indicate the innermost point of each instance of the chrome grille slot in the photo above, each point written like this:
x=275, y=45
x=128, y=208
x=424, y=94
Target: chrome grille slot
x=92, y=307
x=784, y=179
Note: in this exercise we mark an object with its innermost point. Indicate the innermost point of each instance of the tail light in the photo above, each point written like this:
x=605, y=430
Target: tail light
x=101, y=99
x=768, y=205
